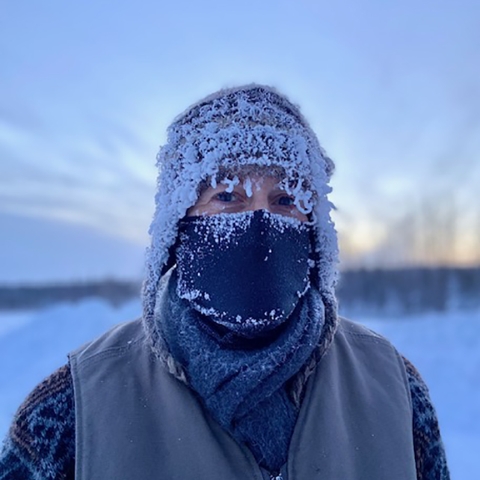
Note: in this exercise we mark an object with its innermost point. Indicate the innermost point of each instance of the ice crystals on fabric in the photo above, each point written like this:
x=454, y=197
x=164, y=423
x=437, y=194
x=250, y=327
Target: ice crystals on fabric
x=246, y=270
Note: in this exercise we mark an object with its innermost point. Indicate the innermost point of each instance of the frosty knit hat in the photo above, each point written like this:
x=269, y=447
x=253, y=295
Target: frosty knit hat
x=252, y=125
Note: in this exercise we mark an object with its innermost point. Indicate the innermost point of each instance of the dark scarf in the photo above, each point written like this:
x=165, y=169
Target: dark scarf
x=244, y=389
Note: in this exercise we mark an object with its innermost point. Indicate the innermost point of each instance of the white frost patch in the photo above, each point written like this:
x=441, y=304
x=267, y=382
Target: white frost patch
x=282, y=222
x=231, y=183
x=189, y=294
x=213, y=182
x=223, y=227
x=301, y=294
x=268, y=318
x=247, y=186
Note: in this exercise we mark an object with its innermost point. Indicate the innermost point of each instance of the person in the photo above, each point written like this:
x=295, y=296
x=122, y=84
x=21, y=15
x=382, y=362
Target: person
x=240, y=366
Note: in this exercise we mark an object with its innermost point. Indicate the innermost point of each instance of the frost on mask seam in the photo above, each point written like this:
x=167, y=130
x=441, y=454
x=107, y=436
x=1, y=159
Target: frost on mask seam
x=223, y=226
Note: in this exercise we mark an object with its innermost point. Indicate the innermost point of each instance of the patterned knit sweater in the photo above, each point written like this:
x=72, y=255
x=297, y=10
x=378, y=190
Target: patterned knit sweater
x=41, y=442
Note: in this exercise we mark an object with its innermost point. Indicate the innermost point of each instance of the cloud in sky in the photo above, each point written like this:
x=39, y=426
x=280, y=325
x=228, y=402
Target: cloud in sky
x=88, y=89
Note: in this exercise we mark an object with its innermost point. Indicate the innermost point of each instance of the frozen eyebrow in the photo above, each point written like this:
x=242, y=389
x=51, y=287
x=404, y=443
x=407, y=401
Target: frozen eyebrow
x=213, y=181
x=247, y=185
x=231, y=183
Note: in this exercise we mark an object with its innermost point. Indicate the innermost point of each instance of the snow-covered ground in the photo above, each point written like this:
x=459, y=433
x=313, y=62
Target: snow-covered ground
x=444, y=347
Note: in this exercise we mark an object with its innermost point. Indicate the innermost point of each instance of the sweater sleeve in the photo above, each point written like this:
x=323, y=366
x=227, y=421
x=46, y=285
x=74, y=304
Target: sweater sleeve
x=430, y=455
x=40, y=444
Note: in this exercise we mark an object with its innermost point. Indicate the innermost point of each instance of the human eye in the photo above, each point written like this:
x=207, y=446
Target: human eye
x=285, y=204
x=225, y=197
x=285, y=201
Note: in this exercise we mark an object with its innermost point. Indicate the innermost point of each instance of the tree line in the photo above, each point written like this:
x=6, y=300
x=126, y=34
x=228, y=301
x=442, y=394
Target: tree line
x=398, y=291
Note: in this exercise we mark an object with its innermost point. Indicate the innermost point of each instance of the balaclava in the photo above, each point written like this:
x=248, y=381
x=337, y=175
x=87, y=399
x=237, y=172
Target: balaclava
x=230, y=130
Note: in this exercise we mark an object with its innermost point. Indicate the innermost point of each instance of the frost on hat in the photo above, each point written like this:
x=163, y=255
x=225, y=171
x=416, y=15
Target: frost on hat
x=228, y=131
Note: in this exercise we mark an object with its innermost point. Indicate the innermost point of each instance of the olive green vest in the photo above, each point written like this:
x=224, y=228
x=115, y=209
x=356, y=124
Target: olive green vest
x=134, y=421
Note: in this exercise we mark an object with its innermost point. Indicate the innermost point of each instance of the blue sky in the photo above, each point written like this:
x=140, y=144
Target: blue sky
x=88, y=88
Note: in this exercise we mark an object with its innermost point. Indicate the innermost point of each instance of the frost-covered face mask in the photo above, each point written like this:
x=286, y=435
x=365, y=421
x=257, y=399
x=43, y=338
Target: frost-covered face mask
x=246, y=271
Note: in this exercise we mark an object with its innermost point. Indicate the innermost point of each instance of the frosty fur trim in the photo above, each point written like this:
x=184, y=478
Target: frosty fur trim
x=252, y=125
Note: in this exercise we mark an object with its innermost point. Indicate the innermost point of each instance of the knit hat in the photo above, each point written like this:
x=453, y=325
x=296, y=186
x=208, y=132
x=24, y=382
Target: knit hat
x=230, y=130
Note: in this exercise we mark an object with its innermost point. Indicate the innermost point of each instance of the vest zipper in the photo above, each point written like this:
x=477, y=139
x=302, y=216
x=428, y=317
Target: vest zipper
x=276, y=477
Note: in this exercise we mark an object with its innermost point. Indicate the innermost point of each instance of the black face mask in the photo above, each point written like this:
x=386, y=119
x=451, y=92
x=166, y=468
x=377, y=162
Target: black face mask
x=245, y=271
